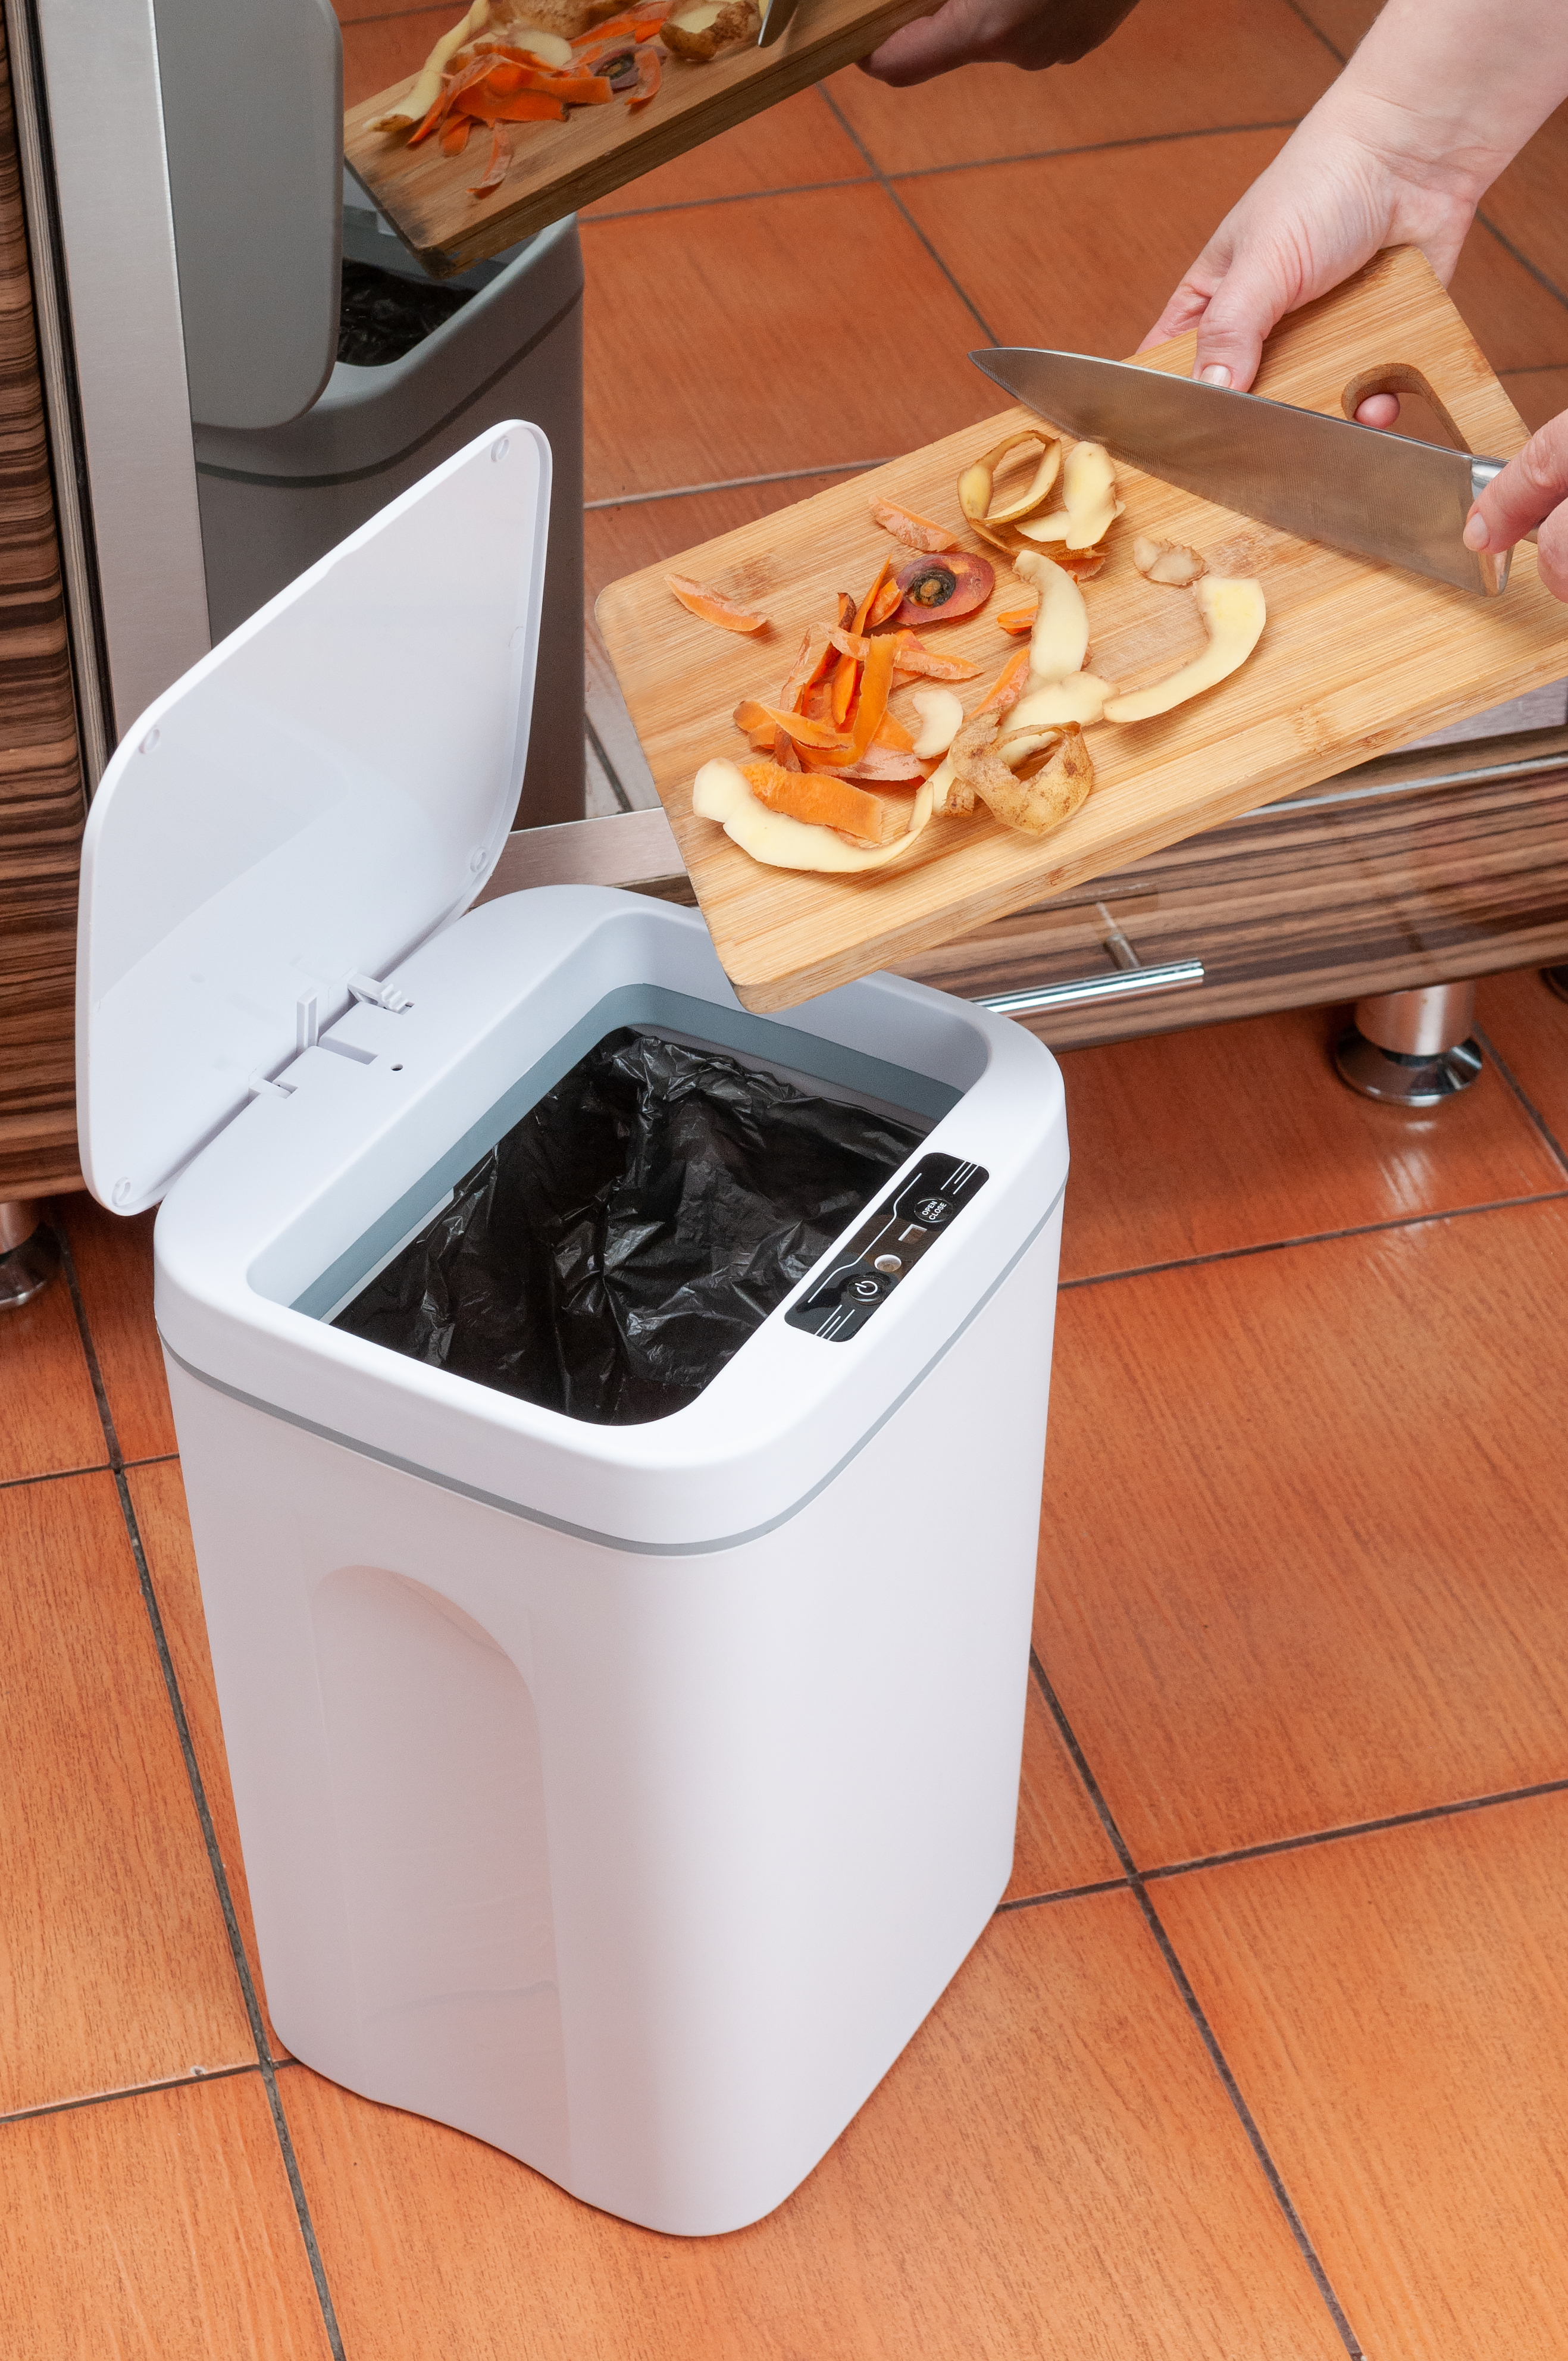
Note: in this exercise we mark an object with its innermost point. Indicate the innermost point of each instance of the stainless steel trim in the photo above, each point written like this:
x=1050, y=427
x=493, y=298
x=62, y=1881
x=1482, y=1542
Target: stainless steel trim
x=56, y=369
x=1525, y=767
x=1082, y=990
x=123, y=292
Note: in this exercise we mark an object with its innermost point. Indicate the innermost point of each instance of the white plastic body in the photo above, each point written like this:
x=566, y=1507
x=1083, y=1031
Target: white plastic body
x=643, y=1871
x=625, y=1796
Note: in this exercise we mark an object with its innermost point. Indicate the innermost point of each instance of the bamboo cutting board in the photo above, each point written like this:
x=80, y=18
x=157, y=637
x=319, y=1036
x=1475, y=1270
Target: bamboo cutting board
x=1354, y=658
x=558, y=167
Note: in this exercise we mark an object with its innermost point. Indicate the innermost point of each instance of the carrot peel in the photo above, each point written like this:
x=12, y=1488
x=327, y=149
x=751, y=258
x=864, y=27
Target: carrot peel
x=713, y=607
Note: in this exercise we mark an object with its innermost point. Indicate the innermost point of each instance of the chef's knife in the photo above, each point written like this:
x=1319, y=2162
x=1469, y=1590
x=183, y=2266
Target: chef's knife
x=1328, y=479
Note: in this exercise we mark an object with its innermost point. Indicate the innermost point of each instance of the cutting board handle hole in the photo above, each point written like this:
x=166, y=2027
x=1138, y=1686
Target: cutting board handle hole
x=1422, y=417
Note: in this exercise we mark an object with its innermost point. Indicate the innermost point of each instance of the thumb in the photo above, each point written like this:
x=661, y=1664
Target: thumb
x=1526, y=493
x=1248, y=301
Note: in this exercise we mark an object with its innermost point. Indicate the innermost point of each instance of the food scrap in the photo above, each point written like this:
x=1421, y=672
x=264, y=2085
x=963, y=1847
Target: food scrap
x=941, y=717
x=516, y=61
x=1089, y=506
x=829, y=743
x=1234, y=615
x=721, y=792
x=977, y=486
x=914, y=531
x=1166, y=561
x=713, y=607
x=939, y=588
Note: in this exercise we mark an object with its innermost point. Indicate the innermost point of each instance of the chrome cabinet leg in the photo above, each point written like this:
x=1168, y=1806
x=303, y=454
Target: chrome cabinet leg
x=28, y=1255
x=1411, y=1048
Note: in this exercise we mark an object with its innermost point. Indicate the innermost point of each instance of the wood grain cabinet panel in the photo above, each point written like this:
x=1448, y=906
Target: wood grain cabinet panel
x=1415, y=870
x=42, y=804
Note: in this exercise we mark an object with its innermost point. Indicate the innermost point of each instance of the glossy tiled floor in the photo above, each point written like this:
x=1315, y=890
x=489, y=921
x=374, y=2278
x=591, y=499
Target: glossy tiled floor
x=1265, y=2057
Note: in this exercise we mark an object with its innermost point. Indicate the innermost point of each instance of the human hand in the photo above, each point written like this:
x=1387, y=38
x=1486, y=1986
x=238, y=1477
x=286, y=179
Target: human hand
x=1028, y=33
x=1531, y=490
x=1330, y=199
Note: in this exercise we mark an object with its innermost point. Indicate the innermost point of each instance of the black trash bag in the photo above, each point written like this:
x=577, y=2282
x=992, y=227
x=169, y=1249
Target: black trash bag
x=617, y=1246
x=385, y=316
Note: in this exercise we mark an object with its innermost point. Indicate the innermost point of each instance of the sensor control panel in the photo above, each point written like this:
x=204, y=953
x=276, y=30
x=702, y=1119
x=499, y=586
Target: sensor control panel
x=887, y=1248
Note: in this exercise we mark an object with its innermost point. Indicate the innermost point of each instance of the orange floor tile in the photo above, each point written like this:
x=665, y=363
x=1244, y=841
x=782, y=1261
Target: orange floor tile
x=157, y=2228
x=1295, y=1154
x=117, y=1969
x=1051, y=2168
x=1322, y=1580
x=1301, y=1540
x=1396, y=2009
x=113, y=1268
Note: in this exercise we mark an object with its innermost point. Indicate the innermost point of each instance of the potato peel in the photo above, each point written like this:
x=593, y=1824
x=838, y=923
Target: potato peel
x=1233, y=614
x=1168, y=561
x=720, y=793
x=1089, y=506
x=1043, y=801
x=977, y=485
x=1059, y=640
x=941, y=719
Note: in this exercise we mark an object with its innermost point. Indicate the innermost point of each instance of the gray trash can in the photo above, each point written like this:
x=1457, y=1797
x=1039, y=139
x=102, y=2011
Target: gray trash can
x=275, y=499
x=296, y=448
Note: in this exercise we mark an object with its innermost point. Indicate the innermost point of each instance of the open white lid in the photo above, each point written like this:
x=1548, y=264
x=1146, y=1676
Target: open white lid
x=326, y=789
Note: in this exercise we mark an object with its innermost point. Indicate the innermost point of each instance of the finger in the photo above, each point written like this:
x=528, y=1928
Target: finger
x=1526, y=493
x=1255, y=293
x=928, y=47
x=1551, y=553
x=1378, y=409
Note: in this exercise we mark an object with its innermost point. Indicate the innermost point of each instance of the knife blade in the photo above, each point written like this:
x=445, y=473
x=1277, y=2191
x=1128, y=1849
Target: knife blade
x=776, y=17
x=1326, y=479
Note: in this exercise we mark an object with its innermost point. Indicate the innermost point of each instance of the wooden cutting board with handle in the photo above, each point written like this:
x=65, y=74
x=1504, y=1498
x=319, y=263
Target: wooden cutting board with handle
x=1354, y=658
x=557, y=168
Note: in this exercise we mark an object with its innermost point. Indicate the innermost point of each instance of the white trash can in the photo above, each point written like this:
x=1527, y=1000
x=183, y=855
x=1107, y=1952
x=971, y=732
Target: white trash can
x=622, y=1794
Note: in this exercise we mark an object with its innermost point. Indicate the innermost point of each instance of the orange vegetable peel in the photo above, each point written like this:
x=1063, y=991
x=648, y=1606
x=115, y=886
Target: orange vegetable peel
x=713, y=607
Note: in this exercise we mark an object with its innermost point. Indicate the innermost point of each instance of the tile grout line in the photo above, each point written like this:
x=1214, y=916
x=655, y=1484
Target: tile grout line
x=1313, y=1238
x=728, y=197
x=1179, y=1976
x=929, y=172
x=1316, y=1837
x=731, y=484
x=89, y=1467
x=203, y=1811
x=1524, y=262
x=1511, y=1078
x=1090, y=148
x=1317, y=32
x=1307, y=1842
x=192, y=2081
x=885, y=184
x=1060, y=1893
x=55, y=1475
